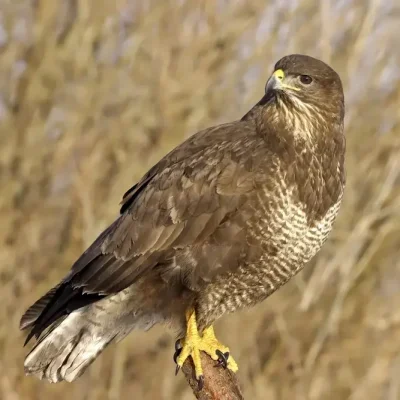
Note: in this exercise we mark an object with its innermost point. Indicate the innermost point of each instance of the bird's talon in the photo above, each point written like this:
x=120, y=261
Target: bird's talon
x=178, y=367
x=178, y=350
x=222, y=358
x=194, y=343
x=176, y=355
x=178, y=345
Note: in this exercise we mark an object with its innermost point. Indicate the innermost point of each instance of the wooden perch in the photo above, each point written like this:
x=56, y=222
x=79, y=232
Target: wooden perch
x=219, y=383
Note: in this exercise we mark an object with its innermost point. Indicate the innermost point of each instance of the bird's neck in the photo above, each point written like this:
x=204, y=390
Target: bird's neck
x=297, y=125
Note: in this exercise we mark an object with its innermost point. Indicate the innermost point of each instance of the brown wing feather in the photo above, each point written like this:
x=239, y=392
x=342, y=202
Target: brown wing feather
x=178, y=211
x=182, y=221
x=33, y=312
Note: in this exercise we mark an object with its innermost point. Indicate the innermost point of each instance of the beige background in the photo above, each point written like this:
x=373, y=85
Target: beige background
x=94, y=92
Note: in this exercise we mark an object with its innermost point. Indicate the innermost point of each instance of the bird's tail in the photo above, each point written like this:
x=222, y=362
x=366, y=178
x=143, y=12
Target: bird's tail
x=70, y=344
x=66, y=349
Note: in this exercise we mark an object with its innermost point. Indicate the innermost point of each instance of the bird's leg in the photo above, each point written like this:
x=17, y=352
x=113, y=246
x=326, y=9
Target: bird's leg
x=193, y=343
x=190, y=346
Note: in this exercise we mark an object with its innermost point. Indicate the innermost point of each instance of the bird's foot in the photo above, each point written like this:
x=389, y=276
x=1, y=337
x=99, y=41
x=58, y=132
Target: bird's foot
x=216, y=350
x=193, y=343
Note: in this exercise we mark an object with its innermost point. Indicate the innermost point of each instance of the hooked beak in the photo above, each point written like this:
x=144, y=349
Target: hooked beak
x=277, y=82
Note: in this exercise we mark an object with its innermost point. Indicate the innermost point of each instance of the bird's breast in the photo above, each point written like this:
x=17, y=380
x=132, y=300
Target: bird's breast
x=288, y=233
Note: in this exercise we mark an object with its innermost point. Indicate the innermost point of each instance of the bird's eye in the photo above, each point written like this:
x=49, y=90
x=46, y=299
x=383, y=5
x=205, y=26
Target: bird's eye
x=305, y=79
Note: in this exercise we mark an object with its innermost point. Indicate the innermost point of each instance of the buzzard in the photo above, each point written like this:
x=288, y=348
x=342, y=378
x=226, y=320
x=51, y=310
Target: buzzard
x=218, y=224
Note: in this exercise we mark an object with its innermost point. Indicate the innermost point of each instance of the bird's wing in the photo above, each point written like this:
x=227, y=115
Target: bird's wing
x=181, y=219
x=176, y=211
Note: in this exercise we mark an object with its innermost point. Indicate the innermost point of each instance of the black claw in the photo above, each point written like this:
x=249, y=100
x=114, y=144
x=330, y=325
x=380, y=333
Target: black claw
x=177, y=370
x=178, y=349
x=176, y=355
x=222, y=358
x=200, y=382
x=178, y=345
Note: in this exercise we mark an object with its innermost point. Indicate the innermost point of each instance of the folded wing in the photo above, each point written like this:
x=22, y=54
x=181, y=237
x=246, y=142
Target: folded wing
x=183, y=221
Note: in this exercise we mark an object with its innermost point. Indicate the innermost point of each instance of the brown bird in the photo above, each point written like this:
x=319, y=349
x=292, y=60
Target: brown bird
x=218, y=224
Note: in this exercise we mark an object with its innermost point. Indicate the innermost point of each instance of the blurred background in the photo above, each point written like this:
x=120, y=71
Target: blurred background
x=94, y=92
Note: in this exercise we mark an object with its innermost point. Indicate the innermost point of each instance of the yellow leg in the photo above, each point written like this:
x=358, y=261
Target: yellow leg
x=193, y=343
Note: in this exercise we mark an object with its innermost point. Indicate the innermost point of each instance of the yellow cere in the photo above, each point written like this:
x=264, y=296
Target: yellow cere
x=279, y=74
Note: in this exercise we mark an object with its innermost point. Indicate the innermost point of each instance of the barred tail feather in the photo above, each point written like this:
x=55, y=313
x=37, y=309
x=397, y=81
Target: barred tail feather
x=66, y=350
x=71, y=343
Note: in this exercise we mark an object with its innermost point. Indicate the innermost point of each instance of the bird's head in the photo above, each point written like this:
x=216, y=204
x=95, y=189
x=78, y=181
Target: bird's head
x=305, y=90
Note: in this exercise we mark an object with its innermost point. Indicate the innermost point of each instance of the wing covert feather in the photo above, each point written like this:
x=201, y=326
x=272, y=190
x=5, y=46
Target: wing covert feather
x=176, y=220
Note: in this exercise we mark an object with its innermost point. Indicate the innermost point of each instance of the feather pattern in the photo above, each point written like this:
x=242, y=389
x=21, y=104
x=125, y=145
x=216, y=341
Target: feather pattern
x=219, y=223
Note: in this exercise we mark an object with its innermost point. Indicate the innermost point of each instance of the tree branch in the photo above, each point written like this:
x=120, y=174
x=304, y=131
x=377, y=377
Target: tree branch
x=219, y=383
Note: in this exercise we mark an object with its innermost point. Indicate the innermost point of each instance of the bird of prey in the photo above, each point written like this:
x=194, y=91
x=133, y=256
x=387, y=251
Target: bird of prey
x=218, y=224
